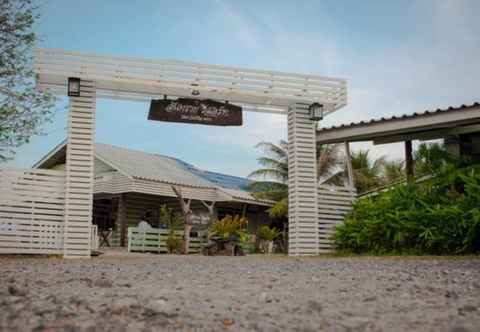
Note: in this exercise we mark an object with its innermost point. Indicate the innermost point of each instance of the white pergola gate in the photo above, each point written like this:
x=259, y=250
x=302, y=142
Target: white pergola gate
x=139, y=79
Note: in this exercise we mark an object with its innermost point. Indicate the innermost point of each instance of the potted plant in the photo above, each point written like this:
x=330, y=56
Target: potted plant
x=265, y=237
x=225, y=235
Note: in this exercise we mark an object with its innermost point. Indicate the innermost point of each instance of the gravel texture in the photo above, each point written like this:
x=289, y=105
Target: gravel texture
x=254, y=293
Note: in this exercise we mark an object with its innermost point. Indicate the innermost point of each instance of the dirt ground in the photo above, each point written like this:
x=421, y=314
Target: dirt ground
x=254, y=293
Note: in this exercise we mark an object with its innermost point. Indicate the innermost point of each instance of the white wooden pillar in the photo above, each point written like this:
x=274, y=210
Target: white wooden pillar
x=79, y=172
x=302, y=179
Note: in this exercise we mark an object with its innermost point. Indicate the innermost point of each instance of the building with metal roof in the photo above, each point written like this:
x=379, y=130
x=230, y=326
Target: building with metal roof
x=459, y=127
x=130, y=185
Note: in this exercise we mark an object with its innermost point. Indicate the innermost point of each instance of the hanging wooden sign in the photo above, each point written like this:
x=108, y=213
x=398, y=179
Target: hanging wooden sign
x=207, y=112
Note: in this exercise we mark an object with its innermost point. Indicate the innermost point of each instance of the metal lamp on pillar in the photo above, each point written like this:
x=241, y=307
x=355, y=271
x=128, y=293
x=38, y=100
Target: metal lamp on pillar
x=316, y=111
x=73, y=87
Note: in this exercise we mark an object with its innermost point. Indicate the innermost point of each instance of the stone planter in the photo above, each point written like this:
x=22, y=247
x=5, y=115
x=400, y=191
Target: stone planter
x=266, y=246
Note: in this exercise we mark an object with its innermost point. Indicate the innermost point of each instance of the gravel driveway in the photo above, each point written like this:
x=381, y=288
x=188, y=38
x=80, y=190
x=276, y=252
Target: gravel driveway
x=255, y=293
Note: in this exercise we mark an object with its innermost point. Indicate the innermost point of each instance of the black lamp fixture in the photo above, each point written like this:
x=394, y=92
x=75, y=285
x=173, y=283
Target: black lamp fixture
x=73, y=87
x=316, y=111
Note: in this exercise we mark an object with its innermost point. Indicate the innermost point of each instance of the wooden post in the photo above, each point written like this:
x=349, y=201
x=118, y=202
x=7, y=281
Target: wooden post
x=244, y=210
x=187, y=216
x=121, y=220
x=348, y=160
x=211, y=211
x=408, y=159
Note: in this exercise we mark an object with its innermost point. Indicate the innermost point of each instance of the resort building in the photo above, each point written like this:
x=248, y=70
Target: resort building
x=130, y=186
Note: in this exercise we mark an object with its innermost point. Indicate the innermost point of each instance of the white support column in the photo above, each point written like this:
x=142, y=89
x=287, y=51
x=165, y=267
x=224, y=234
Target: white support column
x=79, y=172
x=302, y=189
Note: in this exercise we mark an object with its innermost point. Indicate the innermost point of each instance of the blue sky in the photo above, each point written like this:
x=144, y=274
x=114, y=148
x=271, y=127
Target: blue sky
x=397, y=56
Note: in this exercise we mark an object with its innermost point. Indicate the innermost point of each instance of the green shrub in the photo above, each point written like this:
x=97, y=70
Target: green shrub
x=229, y=226
x=246, y=243
x=441, y=216
x=173, y=222
x=266, y=233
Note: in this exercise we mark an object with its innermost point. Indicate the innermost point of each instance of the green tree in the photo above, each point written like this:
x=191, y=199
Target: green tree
x=367, y=173
x=393, y=170
x=273, y=176
x=22, y=108
x=327, y=160
x=431, y=158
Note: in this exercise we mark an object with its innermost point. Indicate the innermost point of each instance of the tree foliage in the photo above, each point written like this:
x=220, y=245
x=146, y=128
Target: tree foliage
x=327, y=160
x=393, y=171
x=441, y=216
x=272, y=178
x=22, y=108
x=433, y=158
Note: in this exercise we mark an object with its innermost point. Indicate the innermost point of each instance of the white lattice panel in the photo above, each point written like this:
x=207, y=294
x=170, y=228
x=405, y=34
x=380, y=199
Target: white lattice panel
x=334, y=202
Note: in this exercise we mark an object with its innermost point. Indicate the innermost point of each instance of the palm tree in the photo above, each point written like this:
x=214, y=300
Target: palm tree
x=393, y=170
x=274, y=177
x=366, y=172
x=430, y=158
x=273, y=183
x=327, y=160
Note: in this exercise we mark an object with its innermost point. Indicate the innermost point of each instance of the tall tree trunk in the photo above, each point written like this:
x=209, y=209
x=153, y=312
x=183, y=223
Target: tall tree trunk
x=187, y=217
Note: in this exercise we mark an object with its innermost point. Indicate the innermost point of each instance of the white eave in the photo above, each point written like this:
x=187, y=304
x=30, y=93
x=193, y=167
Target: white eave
x=425, y=126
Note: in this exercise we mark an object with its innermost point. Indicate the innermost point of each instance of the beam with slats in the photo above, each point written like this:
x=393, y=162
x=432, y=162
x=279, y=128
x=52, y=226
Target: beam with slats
x=143, y=79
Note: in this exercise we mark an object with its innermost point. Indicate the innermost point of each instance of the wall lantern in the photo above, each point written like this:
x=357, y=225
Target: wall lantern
x=73, y=87
x=316, y=111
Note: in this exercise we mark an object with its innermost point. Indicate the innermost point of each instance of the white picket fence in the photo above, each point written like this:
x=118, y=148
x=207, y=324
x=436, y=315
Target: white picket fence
x=154, y=240
x=31, y=211
x=334, y=202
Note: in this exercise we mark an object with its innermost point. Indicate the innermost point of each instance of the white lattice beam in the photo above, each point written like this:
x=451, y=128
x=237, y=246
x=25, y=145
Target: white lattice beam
x=133, y=79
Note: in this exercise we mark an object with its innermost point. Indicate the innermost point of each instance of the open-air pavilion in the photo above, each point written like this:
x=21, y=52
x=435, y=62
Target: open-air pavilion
x=62, y=199
x=459, y=127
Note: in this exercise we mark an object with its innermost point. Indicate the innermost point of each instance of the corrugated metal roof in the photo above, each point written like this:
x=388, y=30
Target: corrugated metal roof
x=243, y=195
x=171, y=170
x=222, y=180
x=401, y=117
x=149, y=166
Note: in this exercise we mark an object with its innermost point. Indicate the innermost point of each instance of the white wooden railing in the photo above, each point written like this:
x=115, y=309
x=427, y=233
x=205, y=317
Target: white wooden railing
x=32, y=204
x=334, y=202
x=31, y=211
x=154, y=240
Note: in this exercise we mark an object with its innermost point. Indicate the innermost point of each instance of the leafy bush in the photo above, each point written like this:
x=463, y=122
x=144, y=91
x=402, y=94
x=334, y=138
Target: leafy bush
x=266, y=233
x=246, y=243
x=173, y=222
x=441, y=216
x=229, y=226
x=174, y=244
